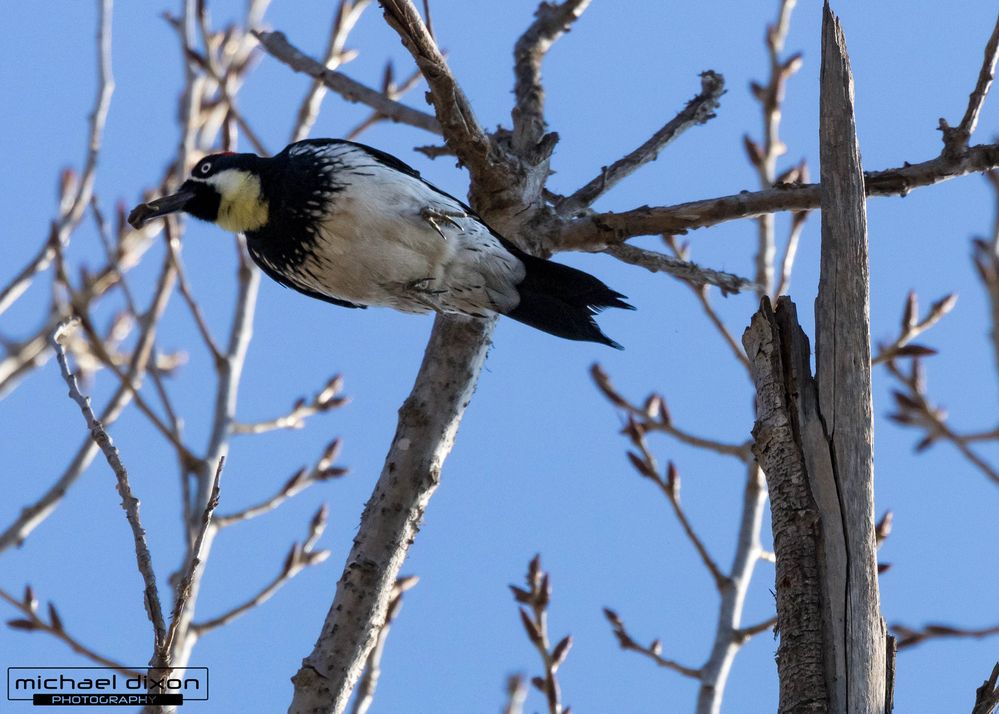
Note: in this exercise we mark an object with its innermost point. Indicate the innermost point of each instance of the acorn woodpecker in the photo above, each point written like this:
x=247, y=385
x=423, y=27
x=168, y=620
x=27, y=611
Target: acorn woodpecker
x=354, y=226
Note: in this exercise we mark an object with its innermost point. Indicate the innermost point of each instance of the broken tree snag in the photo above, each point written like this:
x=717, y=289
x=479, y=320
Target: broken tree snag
x=843, y=366
x=778, y=352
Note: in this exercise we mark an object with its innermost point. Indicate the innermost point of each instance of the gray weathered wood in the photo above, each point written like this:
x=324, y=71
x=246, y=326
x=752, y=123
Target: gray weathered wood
x=843, y=367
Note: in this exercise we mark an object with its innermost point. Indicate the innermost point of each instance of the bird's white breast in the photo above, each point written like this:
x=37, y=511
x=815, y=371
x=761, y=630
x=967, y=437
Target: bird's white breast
x=377, y=247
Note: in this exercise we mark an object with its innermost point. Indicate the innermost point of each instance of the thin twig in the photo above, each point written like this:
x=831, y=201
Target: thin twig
x=32, y=515
x=278, y=46
x=764, y=158
x=956, y=138
x=915, y=409
x=910, y=637
x=987, y=695
x=911, y=329
x=348, y=12
x=55, y=627
x=689, y=272
x=655, y=416
x=712, y=315
x=302, y=555
x=699, y=110
x=516, y=694
x=368, y=683
x=326, y=399
x=71, y=215
x=129, y=502
x=173, y=249
x=534, y=617
x=194, y=562
x=323, y=470
x=653, y=651
x=393, y=92
x=744, y=633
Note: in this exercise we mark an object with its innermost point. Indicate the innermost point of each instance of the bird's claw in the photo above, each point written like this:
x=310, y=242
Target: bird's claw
x=432, y=215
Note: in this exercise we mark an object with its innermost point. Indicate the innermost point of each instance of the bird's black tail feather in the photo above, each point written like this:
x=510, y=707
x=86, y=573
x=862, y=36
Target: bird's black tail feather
x=562, y=301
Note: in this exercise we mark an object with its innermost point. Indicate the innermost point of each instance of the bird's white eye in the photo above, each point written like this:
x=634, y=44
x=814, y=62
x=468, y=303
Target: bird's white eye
x=205, y=168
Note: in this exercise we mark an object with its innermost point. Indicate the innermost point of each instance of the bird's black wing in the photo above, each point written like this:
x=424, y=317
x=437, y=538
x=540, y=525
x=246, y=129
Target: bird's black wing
x=283, y=280
x=382, y=157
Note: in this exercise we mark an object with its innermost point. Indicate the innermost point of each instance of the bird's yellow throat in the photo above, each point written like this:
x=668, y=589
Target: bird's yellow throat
x=242, y=207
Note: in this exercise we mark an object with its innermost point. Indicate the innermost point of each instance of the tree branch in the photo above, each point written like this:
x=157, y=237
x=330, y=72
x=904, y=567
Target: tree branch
x=692, y=273
x=698, y=111
x=301, y=556
x=55, y=627
x=348, y=12
x=373, y=668
x=597, y=231
x=129, y=502
x=956, y=138
x=653, y=651
x=550, y=23
x=461, y=129
x=277, y=46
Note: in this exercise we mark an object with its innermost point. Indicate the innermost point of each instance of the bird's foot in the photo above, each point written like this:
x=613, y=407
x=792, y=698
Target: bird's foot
x=431, y=215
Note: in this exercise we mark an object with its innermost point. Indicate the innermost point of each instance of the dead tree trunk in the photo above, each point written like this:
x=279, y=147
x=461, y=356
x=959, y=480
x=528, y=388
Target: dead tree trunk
x=814, y=440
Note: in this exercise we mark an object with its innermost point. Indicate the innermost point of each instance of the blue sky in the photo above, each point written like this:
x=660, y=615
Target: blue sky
x=539, y=462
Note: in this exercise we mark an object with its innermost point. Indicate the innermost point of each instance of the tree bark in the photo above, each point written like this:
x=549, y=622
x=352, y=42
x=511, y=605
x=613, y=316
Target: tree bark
x=791, y=447
x=814, y=439
x=428, y=421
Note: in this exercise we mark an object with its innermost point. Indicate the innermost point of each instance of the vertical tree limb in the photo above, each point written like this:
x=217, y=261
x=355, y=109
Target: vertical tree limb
x=843, y=366
x=428, y=421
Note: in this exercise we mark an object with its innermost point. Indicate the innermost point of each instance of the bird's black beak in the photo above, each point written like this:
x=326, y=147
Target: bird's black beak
x=145, y=212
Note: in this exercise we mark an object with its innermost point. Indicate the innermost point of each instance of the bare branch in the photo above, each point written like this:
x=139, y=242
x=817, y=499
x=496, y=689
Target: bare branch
x=278, y=46
x=597, y=231
x=129, y=502
x=428, y=421
x=461, y=129
x=34, y=623
x=31, y=516
x=73, y=212
x=372, y=670
x=653, y=651
x=301, y=556
x=911, y=329
x=910, y=637
x=956, y=138
x=550, y=23
x=656, y=417
x=698, y=111
x=682, y=269
x=194, y=563
x=348, y=12
x=327, y=399
x=323, y=470
x=537, y=597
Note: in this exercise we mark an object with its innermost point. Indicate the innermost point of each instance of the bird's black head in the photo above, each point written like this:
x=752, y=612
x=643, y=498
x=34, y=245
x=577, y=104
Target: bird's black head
x=223, y=189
